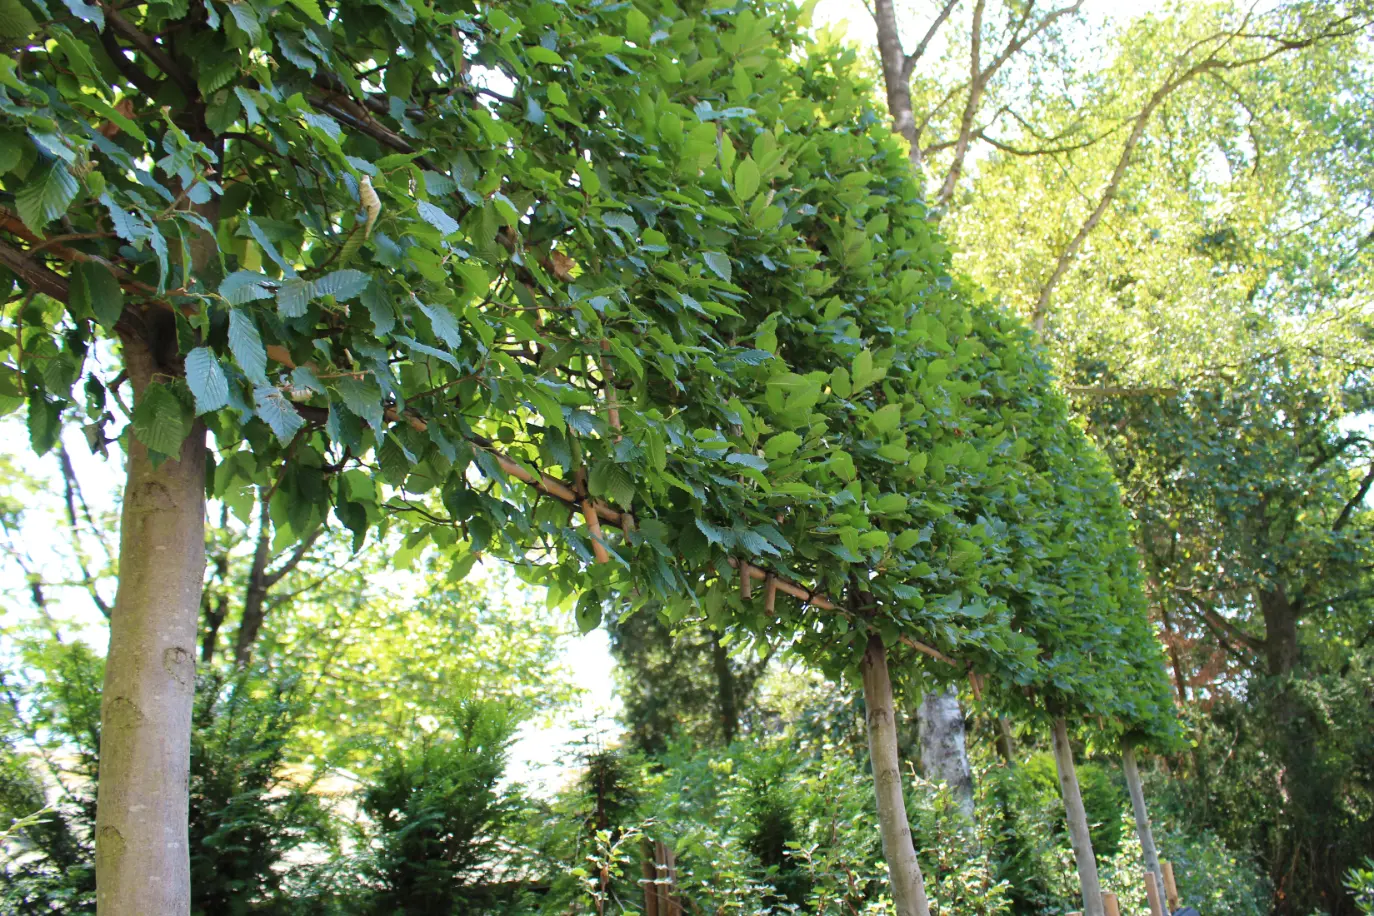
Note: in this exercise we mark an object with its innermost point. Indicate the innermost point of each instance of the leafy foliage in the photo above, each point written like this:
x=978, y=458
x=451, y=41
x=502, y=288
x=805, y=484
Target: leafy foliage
x=709, y=291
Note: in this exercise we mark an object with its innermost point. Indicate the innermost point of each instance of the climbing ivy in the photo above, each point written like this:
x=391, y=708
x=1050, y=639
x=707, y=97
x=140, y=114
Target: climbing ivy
x=561, y=282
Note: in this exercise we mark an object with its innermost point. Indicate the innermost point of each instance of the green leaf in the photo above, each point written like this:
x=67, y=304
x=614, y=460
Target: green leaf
x=437, y=218
x=746, y=179
x=96, y=291
x=243, y=286
x=206, y=380
x=445, y=326
x=246, y=345
x=161, y=420
x=364, y=399
x=588, y=612
x=886, y=418
x=293, y=297
x=342, y=284
x=719, y=264
x=784, y=443
x=311, y=8
x=277, y=412
x=44, y=197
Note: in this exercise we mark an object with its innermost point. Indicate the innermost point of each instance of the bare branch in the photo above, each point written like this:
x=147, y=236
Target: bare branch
x=909, y=65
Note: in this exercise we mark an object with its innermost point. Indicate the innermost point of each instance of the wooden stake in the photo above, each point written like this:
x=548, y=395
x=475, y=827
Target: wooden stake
x=650, y=872
x=1170, y=889
x=1109, y=903
x=1152, y=894
x=746, y=583
x=770, y=593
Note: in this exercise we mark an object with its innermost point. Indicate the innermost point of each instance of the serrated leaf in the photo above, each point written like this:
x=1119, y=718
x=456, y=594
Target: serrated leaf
x=342, y=284
x=161, y=421
x=243, y=286
x=445, y=326
x=246, y=345
x=95, y=289
x=753, y=357
x=277, y=412
x=363, y=399
x=437, y=218
x=747, y=460
x=206, y=379
x=719, y=264
x=715, y=535
x=784, y=443
x=44, y=197
x=126, y=226
x=293, y=297
x=311, y=8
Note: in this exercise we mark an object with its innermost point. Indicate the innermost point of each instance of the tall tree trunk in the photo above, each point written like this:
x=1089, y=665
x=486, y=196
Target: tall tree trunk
x=1078, y=822
x=142, y=854
x=944, y=756
x=1280, y=632
x=725, y=690
x=256, y=593
x=897, y=78
x=908, y=888
x=1142, y=816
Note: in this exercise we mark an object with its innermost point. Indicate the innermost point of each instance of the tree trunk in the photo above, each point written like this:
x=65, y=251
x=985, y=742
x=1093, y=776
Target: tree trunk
x=142, y=853
x=256, y=593
x=1142, y=816
x=1280, y=632
x=944, y=755
x=1078, y=822
x=908, y=888
x=725, y=690
x=896, y=78
x=1005, y=745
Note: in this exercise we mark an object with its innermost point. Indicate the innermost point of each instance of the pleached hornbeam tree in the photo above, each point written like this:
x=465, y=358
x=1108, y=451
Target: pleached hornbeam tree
x=658, y=309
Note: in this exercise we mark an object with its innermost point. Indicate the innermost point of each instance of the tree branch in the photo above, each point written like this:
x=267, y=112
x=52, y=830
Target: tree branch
x=1349, y=510
x=909, y=64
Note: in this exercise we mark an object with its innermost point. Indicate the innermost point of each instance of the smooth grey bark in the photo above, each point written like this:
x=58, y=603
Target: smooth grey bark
x=1077, y=818
x=142, y=853
x=944, y=754
x=896, y=77
x=1142, y=816
x=908, y=887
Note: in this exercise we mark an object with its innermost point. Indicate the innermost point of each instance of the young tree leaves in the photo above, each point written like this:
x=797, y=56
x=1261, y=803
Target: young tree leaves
x=44, y=197
x=161, y=421
x=206, y=380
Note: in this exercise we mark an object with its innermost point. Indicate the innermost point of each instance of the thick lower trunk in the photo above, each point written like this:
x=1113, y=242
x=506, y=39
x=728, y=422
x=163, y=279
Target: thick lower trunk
x=944, y=753
x=725, y=690
x=142, y=856
x=908, y=888
x=1280, y=632
x=1078, y=822
x=1142, y=816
